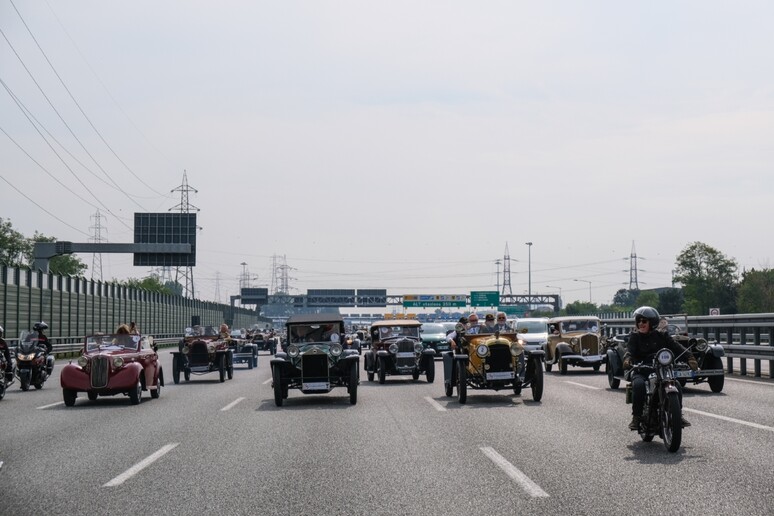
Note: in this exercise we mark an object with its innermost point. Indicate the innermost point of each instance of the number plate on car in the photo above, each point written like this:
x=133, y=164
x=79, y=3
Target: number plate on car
x=504, y=375
x=315, y=386
x=684, y=374
x=405, y=354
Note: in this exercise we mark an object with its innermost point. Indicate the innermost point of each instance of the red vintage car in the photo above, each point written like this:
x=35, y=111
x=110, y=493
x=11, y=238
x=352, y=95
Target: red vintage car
x=114, y=364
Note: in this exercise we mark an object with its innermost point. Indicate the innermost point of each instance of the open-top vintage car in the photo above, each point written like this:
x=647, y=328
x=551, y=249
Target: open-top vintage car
x=202, y=351
x=315, y=361
x=397, y=349
x=494, y=362
x=707, y=355
x=113, y=364
x=243, y=351
x=575, y=341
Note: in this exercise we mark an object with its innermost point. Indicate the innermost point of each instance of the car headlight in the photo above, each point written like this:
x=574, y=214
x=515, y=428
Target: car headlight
x=186, y=350
x=336, y=349
x=482, y=350
x=293, y=350
x=574, y=341
x=393, y=348
x=118, y=362
x=702, y=346
x=83, y=361
x=418, y=347
x=211, y=348
x=665, y=357
x=516, y=350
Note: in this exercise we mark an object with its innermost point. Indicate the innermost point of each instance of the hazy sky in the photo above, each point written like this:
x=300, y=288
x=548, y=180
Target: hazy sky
x=398, y=145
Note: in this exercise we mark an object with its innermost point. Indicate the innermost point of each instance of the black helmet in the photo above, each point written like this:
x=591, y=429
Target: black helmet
x=1, y=331
x=40, y=326
x=649, y=313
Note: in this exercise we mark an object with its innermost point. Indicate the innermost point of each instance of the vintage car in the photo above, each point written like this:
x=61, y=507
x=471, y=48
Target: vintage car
x=113, y=364
x=315, y=361
x=707, y=355
x=243, y=351
x=202, y=351
x=492, y=361
x=265, y=342
x=575, y=341
x=397, y=349
x=434, y=336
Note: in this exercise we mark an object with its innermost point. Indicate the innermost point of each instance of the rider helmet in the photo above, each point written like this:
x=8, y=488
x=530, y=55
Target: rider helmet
x=649, y=313
x=1, y=331
x=40, y=326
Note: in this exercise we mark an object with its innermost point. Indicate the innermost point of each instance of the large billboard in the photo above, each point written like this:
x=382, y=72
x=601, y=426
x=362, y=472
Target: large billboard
x=165, y=228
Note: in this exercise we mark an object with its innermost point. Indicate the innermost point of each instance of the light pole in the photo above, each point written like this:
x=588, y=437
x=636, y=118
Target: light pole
x=529, y=272
x=559, y=304
x=586, y=281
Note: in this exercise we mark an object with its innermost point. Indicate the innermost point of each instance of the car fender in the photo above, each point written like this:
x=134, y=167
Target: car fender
x=539, y=353
x=383, y=353
x=351, y=359
x=283, y=355
x=428, y=352
x=369, y=359
x=564, y=348
x=462, y=358
x=717, y=350
x=74, y=377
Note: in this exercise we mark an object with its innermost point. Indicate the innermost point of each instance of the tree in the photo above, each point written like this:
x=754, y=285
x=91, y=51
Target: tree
x=670, y=301
x=580, y=308
x=647, y=298
x=14, y=248
x=150, y=283
x=64, y=265
x=756, y=291
x=708, y=279
x=625, y=297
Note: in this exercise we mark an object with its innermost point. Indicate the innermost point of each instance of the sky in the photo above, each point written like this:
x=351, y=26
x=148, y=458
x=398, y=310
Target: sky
x=398, y=145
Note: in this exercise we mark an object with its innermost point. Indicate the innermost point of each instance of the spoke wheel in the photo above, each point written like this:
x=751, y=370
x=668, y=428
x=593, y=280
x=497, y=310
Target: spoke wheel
x=462, y=383
x=278, y=394
x=671, y=423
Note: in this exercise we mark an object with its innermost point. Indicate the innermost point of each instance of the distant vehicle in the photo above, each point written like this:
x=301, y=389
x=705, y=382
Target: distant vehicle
x=448, y=327
x=533, y=331
x=434, y=336
x=396, y=349
x=202, y=351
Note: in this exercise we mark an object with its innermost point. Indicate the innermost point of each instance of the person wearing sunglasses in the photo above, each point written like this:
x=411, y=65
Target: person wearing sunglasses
x=643, y=343
x=473, y=326
x=502, y=323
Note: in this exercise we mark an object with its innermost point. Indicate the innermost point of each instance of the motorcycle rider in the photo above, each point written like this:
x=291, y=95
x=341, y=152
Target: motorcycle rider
x=7, y=355
x=644, y=342
x=40, y=327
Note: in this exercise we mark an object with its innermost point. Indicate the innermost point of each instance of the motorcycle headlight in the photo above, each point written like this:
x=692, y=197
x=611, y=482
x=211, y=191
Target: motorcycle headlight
x=418, y=347
x=83, y=361
x=393, y=348
x=186, y=350
x=118, y=362
x=211, y=348
x=702, y=346
x=482, y=350
x=516, y=350
x=665, y=357
x=24, y=358
x=293, y=351
x=336, y=349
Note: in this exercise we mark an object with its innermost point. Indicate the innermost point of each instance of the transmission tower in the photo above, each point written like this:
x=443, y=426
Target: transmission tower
x=97, y=238
x=633, y=285
x=217, y=287
x=507, y=272
x=184, y=275
x=280, y=280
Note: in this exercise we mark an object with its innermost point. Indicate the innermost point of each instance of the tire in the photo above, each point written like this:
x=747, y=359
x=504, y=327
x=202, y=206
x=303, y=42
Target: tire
x=156, y=393
x=38, y=386
x=517, y=386
x=430, y=373
x=462, y=383
x=353, y=379
x=562, y=366
x=92, y=395
x=69, y=396
x=596, y=367
x=222, y=368
x=682, y=381
x=415, y=374
x=671, y=423
x=230, y=366
x=382, y=371
x=537, y=382
x=612, y=381
x=250, y=363
x=716, y=382
x=135, y=395
x=278, y=394
x=187, y=374
x=549, y=366
x=448, y=389
x=24, y=381
x=175, y=370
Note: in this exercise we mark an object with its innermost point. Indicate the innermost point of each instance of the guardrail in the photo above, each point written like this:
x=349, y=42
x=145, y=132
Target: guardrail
x=70, y=347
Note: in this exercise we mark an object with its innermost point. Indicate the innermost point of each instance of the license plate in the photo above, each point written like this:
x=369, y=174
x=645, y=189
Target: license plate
x=405, y=354
x=200, y=369
x=315, y=386
x=441, y=348
x=684, y=374
x=504, y=375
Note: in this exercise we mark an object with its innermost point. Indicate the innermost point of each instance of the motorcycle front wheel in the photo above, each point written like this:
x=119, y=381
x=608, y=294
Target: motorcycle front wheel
x=671, y=422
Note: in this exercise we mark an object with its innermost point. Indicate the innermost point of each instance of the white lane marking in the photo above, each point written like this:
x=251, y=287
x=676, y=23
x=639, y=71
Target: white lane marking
x=586, y=386
x=232, y=404
x=512, y=471
x=267, y=381
x=129, y=473
x=437, y=406
x=767, y=384
x=730, y=419
x=51, y=405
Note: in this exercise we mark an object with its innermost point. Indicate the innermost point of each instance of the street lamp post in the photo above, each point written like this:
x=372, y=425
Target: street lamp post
x=586, y=281
x=529, y=272
x=559, y=304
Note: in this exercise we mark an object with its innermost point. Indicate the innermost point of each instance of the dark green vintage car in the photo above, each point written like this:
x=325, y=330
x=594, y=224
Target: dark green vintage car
x=315, y=361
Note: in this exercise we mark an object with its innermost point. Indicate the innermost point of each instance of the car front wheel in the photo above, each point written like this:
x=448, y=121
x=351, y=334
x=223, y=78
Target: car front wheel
x=135, y=395
x=278, y=394
x=69, y=396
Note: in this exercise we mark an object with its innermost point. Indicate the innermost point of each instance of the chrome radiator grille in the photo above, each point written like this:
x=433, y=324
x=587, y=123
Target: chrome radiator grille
x=100, y=367
x=405, y=346
x=590, y=343
x=314, y=366
x=198, y=354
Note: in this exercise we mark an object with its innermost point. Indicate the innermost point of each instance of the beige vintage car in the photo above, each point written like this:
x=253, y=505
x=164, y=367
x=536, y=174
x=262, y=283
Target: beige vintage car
x=576, y=341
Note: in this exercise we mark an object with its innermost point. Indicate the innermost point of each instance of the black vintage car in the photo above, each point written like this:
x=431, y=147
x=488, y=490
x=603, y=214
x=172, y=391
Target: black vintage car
x=315, y=361
x=243, y=351
x=397, y=349
x=202, y=351
x=707, y=355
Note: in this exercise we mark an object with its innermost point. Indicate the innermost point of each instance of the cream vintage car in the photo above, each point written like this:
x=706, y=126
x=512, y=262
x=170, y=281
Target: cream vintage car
x=575, y=341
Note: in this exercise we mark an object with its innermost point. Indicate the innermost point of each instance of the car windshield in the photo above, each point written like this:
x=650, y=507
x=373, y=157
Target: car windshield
x=112, y=342
x=325, y=332
x=389, y=332
x=532, y=326
x=674, y=324
x=433, y=328
x=580, y=325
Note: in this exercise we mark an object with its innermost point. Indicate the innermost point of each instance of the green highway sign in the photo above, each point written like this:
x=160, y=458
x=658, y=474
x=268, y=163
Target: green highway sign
x=517, y=310
x=484, y=298
x=434, y=301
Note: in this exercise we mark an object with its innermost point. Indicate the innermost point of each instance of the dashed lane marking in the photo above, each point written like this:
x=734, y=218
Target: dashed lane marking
x=129, y=473
x=267, y=381
x=516, y=475
x=437, y=406
x=767, y=384
x=51, y=405
x=232, y=404
x=730, y=419
x=583, y=385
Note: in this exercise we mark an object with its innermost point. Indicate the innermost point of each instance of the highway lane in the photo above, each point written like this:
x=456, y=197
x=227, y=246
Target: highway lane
x=394, y=452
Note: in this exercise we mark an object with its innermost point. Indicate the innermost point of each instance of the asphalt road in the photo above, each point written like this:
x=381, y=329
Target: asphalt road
x=207, y=447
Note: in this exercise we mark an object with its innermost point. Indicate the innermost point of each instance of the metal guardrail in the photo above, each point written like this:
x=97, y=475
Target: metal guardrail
x=69, y=347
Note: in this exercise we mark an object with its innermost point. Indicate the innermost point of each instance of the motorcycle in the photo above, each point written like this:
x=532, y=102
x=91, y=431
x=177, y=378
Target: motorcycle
x=7, y=372
x=662, y=413
x=33, y=366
